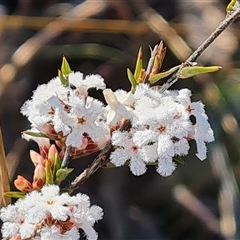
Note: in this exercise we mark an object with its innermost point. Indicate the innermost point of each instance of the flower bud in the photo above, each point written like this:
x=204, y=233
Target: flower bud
x=36, y=158
x=52, y=153
x=23, y=184
x=39, y=177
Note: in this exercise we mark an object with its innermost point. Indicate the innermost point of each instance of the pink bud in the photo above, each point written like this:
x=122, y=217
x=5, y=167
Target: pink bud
x=23, y=184
x=36, y=158
x=52, y=153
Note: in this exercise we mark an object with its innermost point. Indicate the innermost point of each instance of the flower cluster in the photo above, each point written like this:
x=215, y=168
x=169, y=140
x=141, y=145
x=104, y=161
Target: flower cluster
x=49, y=215
x=162, y=123
x=161, y=128
x=67, y=114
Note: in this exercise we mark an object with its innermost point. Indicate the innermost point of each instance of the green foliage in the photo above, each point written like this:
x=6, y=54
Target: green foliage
x=62, y=173
x=15, y=194
x=34, y=134
x=49, y=173
x=65, y=68
x=230, y=6
x=188, y=72
x=162, y=75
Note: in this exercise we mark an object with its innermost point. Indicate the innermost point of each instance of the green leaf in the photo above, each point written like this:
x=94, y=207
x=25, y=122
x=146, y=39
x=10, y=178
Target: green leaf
x=161, y=75
x=139, y=65
x=63, y=79
x=132, y=80
x=62, y=173
x=15, y=194
x=35, y=134
x=178, y=159
x=187, y=72
x=231, y=5
x=57, y=164
x=49, y=173
x=110, y=165
x=65, y=68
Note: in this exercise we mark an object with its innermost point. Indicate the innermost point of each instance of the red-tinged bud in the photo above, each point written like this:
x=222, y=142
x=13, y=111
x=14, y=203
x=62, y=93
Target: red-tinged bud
x=36, y=158
x=39, y=177
x=23, y=184
x=39, y=173
x=44, y=151
x=38, y=184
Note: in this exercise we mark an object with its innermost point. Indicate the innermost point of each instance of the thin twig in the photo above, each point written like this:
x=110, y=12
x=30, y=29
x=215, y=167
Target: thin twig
x=192, y=58
x=101, y=161
x=103, y=157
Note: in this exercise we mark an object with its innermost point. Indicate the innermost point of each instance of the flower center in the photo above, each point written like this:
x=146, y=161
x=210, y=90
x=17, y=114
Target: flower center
x=134, y=148
x=161, y=128
x=81, y=120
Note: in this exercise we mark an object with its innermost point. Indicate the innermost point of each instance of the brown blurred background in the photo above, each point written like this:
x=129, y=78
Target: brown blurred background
x=201, y=199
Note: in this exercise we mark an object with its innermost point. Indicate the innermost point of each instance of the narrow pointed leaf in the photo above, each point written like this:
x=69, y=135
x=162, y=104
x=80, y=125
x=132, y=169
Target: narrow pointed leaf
x=15, y=194
x=57, y=164
x=139, y=65
x=110, y=165
x=49, y=173
x=34, y=134
x=178, y=159
x=187, y=72
x=63, y=79
x=161, y=75
x=131, y=79
x=65, y=68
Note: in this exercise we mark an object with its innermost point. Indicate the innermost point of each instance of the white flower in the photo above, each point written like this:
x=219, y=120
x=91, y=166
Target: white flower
x=50, y=215
x=139, y=147
x=202, y=131
x=166, y=166
x=83, y=117
x=181, y=147
x=119, y=105
x=90, y=81
x=160, y=129
x=128, y=150
x=67, y=111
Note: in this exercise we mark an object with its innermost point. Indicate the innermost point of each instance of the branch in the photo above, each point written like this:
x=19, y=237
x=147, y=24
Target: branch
x=101, y=161
x=103, y=157
x=229, y=19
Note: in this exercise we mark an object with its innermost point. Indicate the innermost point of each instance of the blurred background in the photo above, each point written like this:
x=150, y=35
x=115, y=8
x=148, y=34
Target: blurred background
x=201, y=199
